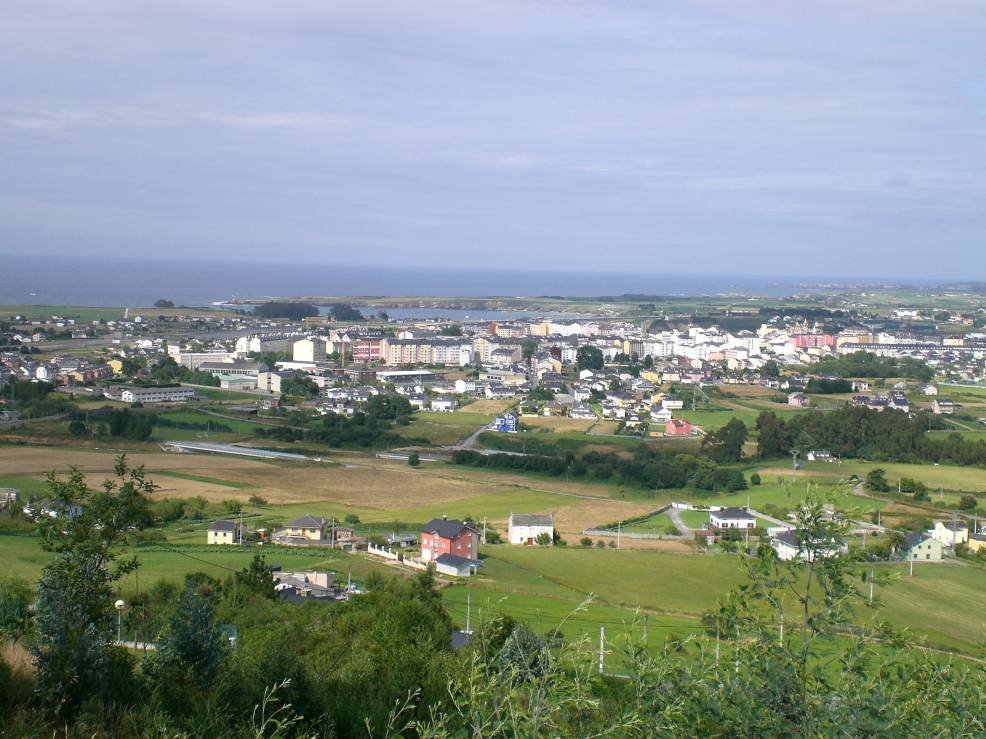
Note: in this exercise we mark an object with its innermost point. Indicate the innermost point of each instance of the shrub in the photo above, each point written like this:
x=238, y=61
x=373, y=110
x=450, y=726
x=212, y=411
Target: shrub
x=258, y=500
x=585, y=541
x=351, y=518
x=413, y=459
x=755, y=478
x=601, y=544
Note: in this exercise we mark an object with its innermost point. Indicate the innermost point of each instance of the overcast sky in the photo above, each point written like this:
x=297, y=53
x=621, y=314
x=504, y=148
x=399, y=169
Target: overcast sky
x=804, y=138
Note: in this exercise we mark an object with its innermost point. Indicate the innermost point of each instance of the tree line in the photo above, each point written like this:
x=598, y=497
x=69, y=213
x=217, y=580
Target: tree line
x=855, y=432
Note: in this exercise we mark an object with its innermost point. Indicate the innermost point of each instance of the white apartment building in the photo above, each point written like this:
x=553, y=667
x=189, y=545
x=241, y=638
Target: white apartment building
x=156, y=394
x=311, y=349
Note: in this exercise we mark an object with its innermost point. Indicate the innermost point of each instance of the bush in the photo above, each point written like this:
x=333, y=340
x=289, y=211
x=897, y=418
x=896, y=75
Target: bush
x=601, y=544
x=968, y=503
x=585, y=541
x=413, y=459
x=755, y=478
x=258, y=500
x=351, y=518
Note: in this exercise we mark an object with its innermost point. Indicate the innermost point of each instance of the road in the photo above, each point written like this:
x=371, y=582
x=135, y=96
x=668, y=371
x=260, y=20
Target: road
x=675, y=517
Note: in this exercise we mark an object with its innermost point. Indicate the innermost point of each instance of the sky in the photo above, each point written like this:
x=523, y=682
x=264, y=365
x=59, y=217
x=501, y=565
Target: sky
x=721, y=136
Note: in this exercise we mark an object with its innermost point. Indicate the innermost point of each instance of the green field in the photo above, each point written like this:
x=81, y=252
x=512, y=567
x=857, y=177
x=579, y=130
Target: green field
x=200, y=478
x=29, y=487
x=238, y=426
x=442, y=429
x=944, y=602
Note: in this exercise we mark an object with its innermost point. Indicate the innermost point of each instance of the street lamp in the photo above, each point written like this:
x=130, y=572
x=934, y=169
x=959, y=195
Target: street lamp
x=119, y=605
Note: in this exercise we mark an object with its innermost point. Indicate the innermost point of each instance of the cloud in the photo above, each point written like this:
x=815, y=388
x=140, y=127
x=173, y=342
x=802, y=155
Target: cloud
x=40, y=118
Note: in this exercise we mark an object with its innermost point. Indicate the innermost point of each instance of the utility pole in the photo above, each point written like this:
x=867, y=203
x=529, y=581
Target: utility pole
x=468, y=613
x=602, y=647
x=782, y=628
x=871, y=586
x=332, y=534
x=484, y=529
x=619, y=527
x=717, y=646
x=912, y=565
x=645, y=628
x=794, y=464
x=241, y=527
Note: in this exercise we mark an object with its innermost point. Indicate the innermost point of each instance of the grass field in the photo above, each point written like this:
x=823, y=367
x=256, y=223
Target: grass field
x=238, y=426
x=442, y=429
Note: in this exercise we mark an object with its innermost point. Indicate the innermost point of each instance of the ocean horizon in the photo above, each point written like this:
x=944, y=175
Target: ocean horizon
x=139, y=281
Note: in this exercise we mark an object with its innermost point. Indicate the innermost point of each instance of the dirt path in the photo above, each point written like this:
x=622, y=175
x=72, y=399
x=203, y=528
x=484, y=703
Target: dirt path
x=676, y=519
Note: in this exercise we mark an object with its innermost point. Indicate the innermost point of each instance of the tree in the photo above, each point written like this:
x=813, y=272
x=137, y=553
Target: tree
x=74, y=611
x=589, y=357
x=770, y=369
x=77, y=427
x=162, y=303
x=876, y=480
x=452, y=329
x=413, y=459
x=352, y=519
x=968, y=503
x=542, y=539
x=285, y=309
x=774, y=439
x=345, y=312
x=726, y=444
x=189, y=655
x=755, y=478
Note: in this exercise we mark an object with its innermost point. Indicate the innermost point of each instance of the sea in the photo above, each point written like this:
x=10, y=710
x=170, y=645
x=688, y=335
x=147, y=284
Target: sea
x=139, y=281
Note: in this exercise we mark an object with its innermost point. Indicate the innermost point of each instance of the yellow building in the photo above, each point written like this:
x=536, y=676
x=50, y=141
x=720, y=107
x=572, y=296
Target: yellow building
x=224, y=532
x=306, y=527
x=116, y=365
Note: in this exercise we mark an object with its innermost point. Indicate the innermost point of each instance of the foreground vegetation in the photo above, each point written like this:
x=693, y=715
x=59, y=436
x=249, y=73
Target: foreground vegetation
x=383, y=663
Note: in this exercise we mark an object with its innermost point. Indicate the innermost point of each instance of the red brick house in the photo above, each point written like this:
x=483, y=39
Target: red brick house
x=677, y=427
x=443, y=536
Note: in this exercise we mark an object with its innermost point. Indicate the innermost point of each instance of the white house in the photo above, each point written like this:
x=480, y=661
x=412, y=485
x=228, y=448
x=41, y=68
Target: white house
x=732, y=518
x=443, y=404
x=787, y=547
x=524, y=528
x=53, y=508
x=950, y=534
x=223, y=532
x=660, y=414
x=465, y=386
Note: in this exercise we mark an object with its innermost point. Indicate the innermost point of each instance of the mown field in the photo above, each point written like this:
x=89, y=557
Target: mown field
x=442, y=429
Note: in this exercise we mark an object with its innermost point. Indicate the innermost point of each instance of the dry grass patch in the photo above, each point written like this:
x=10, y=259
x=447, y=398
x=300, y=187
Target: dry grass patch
x=585, y=514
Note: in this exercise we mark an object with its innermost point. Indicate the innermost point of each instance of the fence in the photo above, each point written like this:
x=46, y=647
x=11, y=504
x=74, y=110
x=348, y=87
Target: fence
x=612, y=531
x=383, y=552
x=633, y=535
